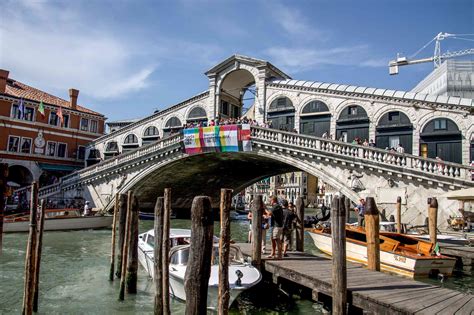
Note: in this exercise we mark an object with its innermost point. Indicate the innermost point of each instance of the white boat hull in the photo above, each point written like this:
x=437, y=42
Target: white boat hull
x=61, y=224
x=389, y=261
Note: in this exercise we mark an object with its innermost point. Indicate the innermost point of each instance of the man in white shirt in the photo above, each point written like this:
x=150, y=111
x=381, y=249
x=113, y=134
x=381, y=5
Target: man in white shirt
x=87, y=209
x=400, y=148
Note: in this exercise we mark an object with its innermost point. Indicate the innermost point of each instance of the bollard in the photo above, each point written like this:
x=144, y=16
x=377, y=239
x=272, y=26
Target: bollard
x=30, y=259
x=157, y=254
x=348, y=209
x=112, y=245
x=433, y=219
x=166, y=251
x=123, y=201
x=300, y=227
x=196, y=279
x=372, y=226
x=257, y=213
x=339, y=268
x=224, y=250
x=39, y=246
x=399, y=214
x=126, y=242
x=132, y=268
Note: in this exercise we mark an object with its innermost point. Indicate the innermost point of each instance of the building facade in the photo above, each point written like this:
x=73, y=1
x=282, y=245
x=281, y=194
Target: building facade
x=35, y=141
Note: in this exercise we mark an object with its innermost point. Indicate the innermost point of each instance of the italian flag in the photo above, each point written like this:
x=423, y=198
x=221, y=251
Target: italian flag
x=41, y=109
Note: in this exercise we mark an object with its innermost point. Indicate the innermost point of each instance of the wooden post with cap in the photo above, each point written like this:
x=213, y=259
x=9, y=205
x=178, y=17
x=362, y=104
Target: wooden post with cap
x=112, y=246
x=39, y=247
x=399, y=214
x=372, y=226
x=433, y=219
x=157, y=255
x=166, y=251
x=257, y=213
x=126, y=242
x=300, y=227
x=339, y=267
x=224, y=251
x=132, y=267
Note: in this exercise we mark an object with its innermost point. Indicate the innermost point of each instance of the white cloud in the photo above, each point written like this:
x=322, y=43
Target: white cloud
x=303, y=59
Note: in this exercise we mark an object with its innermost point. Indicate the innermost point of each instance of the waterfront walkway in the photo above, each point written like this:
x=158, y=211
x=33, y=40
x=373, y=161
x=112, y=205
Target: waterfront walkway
x=374, y=292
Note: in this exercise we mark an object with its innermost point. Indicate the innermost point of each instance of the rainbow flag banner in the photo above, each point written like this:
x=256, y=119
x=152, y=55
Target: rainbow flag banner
x=226, y=138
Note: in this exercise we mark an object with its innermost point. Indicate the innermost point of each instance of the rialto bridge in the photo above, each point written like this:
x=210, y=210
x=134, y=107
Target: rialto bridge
x=147, y=155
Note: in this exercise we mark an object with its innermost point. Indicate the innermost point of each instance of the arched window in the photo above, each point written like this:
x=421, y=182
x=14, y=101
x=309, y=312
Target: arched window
x=197, y=112
x=111, y=149
x=151, y=131
x=173, y=125
x=353, y=123
x=394, y=128
x=441, y=138
x=131, y=139
x=315, y=119
x=281, y=114
x=150, y=135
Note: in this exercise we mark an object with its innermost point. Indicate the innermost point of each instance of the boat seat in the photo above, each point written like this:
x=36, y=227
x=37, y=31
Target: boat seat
x=424, y=248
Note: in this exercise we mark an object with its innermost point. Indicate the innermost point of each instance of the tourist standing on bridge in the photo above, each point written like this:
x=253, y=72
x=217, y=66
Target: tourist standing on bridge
x=87, y=209
x=400, y=148
x=360, y=210
x=276, y=214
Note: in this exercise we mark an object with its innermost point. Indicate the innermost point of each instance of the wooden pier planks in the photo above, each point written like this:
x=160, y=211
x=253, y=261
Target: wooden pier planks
x=370, y=290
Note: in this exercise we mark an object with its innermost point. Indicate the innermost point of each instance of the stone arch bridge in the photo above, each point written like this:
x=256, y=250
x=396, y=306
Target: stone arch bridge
x=150, y=168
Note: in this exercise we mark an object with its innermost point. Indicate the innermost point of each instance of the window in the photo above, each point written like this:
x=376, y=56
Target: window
x=131, y=139
x=352, y=110
x=225, y=108
x=84, y=124
x=29, y=113
x=393, y=141
x=62, y=150
x=81, y=152
x=25, y=145
x=111, y=146
x=151, y=131
x=65, y=121
x=51, y=148
x=13, y=143
x=394, y=116
x=53, y=119
x=94, y=126
x=440, y=124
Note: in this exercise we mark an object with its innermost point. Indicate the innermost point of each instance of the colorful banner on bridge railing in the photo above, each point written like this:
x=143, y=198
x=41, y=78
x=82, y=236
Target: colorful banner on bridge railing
x=226, y=138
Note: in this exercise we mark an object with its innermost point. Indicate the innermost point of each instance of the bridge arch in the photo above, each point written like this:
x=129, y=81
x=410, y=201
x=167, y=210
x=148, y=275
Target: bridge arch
x=231, y=88
x=20, y=175
x=281, y=113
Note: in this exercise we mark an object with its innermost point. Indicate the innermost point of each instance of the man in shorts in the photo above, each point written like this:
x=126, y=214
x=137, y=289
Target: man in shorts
x=276, y=214
x=289, y=217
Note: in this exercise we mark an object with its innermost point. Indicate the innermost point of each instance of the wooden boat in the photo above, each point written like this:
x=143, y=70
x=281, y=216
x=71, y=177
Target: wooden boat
x=58, y=220
x=399, y=253
x=242, y=275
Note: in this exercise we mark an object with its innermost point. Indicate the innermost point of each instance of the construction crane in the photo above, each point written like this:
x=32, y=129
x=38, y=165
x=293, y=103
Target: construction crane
x=437, y=58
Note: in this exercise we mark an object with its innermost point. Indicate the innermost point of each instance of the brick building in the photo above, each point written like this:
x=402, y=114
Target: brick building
x=40, y=147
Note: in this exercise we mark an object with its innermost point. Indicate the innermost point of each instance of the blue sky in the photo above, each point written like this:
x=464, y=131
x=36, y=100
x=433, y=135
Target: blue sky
x=129, y=58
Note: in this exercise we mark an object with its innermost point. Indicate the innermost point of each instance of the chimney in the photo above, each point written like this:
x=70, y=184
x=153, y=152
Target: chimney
x=3, y=80
x=73, y=94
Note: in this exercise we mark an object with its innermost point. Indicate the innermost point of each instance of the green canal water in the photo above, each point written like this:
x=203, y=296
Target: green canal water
x=74, y=278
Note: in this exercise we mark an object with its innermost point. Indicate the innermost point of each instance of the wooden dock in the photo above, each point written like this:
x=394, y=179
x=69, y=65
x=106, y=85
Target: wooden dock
x=464, y=254
x=371, y=291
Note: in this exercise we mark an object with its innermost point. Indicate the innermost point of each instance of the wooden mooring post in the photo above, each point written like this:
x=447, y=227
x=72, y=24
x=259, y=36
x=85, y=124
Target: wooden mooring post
x=39, y=246
x=30, y=259
x=347, y=205
x=112, y=245
x=257, y=213
x=126, y=242
x=372, y=226
x=339, y=268
x=132, y=267
x=158, y=255
x=3, y=189
x=300, y=225
x=224, y=250
x=166, y=251
x=399, y=214
x=433, y=219
x=122, y=206
x=196, y=280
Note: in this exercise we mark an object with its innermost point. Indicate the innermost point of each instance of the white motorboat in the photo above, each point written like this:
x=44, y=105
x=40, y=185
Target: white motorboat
x=399, y=253
x=242, y=275
x=58, y=220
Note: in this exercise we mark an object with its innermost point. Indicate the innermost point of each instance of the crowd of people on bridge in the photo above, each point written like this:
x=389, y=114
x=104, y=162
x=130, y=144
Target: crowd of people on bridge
x=280, y=219
x=226, y=121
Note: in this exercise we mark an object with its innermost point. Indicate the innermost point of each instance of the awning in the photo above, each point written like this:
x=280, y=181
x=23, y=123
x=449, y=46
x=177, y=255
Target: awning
x=58, y=167
x=461, y=194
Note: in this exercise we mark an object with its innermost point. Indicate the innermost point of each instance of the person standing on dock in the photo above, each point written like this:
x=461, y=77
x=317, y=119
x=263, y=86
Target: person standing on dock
x=87, y=209
x=289, y=217
x=276, y=214
x=360, y=210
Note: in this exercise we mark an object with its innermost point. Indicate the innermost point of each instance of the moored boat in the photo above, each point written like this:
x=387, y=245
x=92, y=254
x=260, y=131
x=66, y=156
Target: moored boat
x=242, y=275
x=58, y=220
x=399, y=253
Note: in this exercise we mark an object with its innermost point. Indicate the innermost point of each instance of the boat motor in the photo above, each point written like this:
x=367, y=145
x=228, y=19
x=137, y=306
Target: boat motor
x=239, y=275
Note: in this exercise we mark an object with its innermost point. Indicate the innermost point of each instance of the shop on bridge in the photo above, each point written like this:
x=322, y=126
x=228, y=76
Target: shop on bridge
x=352, y=123
x=281, y=114
x=394, y=128
x=441, y=138
x=315, y=119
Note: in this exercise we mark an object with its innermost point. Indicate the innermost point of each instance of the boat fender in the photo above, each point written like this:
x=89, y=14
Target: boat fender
x=239, y=275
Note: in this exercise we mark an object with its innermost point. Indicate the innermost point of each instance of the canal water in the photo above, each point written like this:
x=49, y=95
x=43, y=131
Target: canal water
x=75, y=268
